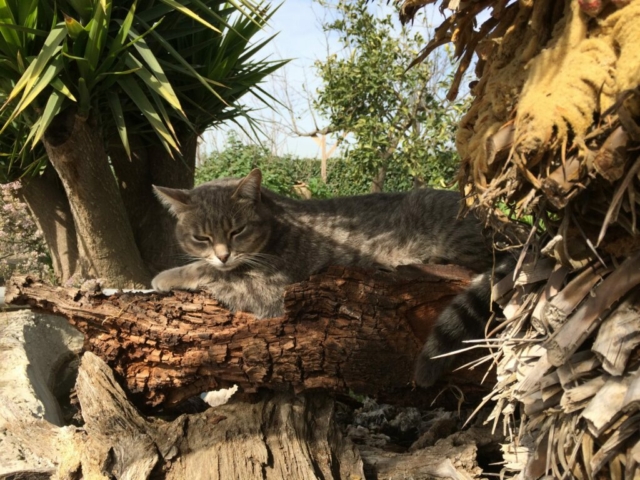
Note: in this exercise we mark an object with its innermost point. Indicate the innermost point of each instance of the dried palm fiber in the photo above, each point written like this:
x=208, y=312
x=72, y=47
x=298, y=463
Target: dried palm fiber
x=553, y=132
x=568, y=390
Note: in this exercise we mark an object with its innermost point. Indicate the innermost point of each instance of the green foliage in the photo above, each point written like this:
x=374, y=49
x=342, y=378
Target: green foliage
x=142, y=66
x=388, y=116
x=281, y=174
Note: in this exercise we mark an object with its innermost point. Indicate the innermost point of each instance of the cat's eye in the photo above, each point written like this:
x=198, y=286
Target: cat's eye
x=201, y=238
x=237, y=231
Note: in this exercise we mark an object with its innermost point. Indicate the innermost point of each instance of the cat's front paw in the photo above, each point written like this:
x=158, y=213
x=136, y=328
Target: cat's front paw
x=188, y=277
x=164, y=281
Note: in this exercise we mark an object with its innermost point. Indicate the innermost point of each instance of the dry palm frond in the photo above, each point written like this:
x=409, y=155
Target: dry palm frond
x=581, y=405
x=554, y=132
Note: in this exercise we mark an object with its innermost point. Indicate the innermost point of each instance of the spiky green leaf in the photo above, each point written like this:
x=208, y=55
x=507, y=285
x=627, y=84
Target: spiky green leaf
x=118, y=117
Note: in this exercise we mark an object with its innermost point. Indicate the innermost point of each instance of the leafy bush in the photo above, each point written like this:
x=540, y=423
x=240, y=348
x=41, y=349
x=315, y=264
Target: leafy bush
x=396, y=119
x=280, y=174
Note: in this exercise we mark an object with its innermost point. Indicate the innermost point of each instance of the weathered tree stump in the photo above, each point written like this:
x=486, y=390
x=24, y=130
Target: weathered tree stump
x=347, y=329
x=277, y=436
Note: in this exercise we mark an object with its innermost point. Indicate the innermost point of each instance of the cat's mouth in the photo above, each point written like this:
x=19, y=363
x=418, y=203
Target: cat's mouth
x=230, y=264
x=224, y=268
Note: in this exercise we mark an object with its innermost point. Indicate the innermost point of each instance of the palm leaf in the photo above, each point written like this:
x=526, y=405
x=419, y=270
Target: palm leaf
x=20, y=28
x=155, y=78
x=133, y=90
x=51, y=71
x=188, y=12
x=30, y=77
x=141, y=66
x=51, y=109
x=118, y=116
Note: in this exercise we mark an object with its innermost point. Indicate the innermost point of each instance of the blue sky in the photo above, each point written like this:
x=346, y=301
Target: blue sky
x=298, y=24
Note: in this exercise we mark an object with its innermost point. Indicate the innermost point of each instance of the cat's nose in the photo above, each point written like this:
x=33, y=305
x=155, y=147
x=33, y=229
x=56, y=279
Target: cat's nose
x=223, y=257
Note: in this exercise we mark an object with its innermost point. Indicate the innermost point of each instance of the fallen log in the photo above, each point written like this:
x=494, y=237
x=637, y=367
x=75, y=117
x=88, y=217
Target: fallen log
x=347, y=329
x=275, y=436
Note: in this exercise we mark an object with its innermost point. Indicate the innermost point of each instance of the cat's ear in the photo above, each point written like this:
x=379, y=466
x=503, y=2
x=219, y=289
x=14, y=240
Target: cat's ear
x=249, y=186
x=176, y=200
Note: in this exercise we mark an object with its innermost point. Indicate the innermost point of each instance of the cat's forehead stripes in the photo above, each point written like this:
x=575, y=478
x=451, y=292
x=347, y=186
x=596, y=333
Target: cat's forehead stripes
x=215, y=208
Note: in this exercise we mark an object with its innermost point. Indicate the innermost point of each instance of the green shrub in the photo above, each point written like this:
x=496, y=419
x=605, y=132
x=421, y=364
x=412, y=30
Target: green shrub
x=344, y=177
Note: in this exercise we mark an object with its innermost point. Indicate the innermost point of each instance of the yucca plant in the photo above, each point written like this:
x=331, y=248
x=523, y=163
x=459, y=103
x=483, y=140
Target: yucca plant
x=116, y=93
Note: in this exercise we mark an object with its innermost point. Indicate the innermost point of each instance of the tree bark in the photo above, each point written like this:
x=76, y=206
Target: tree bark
x=76, y=150
x=377, y=184
x=153, y=226
x=344, y=330
x=49, y=206
x=276, y=436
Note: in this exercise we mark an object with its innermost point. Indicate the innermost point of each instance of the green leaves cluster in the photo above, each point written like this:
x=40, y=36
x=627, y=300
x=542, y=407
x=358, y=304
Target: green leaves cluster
x=282, y=173
x=237, y=159
x=390, y=117
x=140, y=67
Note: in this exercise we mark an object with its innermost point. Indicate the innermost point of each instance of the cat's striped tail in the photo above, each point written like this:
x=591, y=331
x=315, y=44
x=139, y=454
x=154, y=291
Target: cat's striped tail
x=464, y=319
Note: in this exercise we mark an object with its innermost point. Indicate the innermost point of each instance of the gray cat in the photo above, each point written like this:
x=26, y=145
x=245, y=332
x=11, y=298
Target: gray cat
x=249, y=243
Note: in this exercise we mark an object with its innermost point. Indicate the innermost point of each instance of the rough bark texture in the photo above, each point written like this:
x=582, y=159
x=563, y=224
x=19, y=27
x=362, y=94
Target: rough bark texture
x=152, y=224
x=275, y=436
x=76, y=150
x=347, y=329
x=48, y=203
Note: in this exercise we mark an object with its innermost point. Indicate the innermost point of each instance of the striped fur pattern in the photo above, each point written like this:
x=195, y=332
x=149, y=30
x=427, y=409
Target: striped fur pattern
x=464, y=319
x=248, y=243
x=268, y=241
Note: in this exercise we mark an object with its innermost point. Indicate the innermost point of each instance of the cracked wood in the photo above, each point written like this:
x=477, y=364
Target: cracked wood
x=347, y=329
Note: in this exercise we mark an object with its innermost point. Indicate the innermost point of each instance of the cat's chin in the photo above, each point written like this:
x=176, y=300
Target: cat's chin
x=223, y=267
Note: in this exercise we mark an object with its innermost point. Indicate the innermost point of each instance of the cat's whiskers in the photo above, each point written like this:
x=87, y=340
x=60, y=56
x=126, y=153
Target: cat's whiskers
x=268, y=256
x=188, y=257
x=259, y=260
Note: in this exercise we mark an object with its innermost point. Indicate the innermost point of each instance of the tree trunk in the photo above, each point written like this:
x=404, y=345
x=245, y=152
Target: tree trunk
x=76, y=150
x=377, y=184
x=153, y=226
x=345, y=330
x=49, y=206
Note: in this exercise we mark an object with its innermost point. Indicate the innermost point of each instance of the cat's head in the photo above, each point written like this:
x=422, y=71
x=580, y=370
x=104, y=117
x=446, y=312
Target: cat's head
x=223, y=222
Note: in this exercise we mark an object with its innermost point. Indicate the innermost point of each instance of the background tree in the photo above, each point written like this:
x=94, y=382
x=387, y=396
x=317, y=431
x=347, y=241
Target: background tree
x=102, y=98
x=295, y=176
x=391, y=119
x=422, y=151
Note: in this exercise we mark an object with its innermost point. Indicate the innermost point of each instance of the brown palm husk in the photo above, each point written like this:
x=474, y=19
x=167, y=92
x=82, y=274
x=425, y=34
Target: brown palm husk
x=553, y=137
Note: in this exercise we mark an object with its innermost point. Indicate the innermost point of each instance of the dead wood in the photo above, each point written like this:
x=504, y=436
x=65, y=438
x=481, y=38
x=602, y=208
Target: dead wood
x=344, y=330
x=278, y=436
x=274, y=436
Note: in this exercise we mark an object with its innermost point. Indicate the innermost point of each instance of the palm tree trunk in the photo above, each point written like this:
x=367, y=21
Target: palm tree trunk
x=153, y=226
x=76, y=150
x=50, y=208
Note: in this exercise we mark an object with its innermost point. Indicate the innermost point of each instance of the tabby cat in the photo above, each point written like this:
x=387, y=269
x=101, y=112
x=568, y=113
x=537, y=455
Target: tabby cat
x=248, y=243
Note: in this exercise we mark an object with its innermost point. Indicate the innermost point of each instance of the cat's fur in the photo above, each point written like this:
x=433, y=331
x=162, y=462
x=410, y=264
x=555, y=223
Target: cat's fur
x=250, y=243
x=464, y=319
